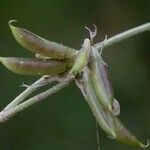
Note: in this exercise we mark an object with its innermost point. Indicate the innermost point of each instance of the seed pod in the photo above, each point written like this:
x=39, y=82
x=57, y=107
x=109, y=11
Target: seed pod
x=125, y=136
x=41, y=46
x=28, y=66
x=103, y=117
x=101, y=81
x=106, y=120
x=82, y=58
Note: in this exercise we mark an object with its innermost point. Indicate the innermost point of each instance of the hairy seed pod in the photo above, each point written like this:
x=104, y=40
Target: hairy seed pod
x=125, y=136
x=41, y=46
x=106, y=120
x=82, y=58
x=101, y=81
x=103, y=117
x=31, y=66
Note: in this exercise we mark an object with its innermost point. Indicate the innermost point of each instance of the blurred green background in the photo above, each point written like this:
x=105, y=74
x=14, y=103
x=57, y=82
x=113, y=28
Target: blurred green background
x=64, y=121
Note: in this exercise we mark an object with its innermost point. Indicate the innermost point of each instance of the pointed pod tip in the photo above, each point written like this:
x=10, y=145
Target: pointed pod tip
x=145, y=145
x=12, y=21
x=112, y=135
x=13, y=28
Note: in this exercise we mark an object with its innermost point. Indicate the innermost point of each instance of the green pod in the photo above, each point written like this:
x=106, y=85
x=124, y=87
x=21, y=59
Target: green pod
x=125, y=136
x=41, y=46
x=103, y=117
x=101, y=81
x=82, y=58
x=33, y=66
x=106, y=120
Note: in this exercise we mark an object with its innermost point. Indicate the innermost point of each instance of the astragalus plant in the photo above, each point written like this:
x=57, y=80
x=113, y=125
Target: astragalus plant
x=59, y=63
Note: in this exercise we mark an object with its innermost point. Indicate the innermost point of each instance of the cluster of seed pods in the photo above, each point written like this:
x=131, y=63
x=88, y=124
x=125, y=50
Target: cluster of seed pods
x=86, y=65
x=95, y=85
x=51, y=58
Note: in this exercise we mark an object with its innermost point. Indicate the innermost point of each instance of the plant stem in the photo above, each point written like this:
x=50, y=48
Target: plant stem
x=7, y=114
x=30, y=89
x=122, y=36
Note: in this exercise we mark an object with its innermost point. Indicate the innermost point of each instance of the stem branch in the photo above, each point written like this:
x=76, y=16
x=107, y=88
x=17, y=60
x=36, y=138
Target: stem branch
x=30, y=89
x=122, y=36
x=7, y=114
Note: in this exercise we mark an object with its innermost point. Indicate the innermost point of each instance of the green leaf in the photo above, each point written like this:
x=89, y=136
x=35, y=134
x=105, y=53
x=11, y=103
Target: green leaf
x=41, y=46
x=33, y=66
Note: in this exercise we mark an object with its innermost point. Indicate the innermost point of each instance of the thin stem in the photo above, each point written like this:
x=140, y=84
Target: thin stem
x=7, y=114
x=30, y=89
x=122, y=36
x=97, y=137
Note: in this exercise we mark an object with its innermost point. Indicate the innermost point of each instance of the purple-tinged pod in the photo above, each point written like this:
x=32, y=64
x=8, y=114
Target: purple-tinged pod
x=101, y=81
x=33, y=66
x=106, y=120
x=125, y=136
x=82, y=58
x=40, y=45
x=103, y=117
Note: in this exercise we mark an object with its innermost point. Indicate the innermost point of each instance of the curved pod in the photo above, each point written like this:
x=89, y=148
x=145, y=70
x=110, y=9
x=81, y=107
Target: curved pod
x=82, y=58
x=103, y=117
x=125, y=136
x=40, y=45
x=29, y=66
x=106, y=120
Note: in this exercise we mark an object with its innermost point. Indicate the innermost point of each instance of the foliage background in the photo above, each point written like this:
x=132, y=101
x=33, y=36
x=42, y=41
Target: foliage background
x=64, y=121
